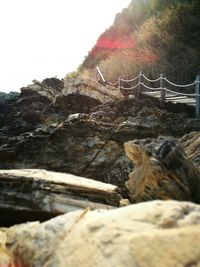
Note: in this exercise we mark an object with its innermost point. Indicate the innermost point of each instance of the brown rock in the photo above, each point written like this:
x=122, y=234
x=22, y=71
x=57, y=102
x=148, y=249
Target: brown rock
x=191, y=144
x=91, y=88
x=162, y=171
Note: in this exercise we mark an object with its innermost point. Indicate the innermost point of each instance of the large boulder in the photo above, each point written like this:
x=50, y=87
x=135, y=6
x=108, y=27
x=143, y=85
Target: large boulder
x=158, y=233
x=162, y=171
x=49, y=88
x=191, y=144
x=91, y=88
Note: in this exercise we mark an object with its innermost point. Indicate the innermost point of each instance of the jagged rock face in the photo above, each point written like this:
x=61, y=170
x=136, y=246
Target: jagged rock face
x=75, y=103
x=42, y=129
x=41, y=103
x=54, y=83
x=191, y=144
x=157, y=233
x=85, y=145
x=89, y=145
x=25, y=113
x=49, y=87
x=91, y=89
x=22, y=115
x=162, y=171
x=80, y=145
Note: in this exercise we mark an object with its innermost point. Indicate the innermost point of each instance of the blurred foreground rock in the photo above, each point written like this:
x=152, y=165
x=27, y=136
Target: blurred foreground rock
x=158, y=233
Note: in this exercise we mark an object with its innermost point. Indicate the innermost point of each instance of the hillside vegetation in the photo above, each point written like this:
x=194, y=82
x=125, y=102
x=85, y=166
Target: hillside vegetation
x=154, y=36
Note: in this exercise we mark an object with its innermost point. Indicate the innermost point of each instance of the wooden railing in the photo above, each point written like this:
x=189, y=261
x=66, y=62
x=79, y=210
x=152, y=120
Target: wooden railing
x=141, y=85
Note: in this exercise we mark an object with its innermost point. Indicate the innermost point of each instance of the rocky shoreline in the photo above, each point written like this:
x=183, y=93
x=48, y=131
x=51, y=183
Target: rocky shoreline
x=78, y=127
x=80, y=136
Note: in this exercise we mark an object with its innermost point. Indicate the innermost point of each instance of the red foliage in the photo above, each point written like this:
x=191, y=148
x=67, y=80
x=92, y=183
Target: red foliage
x=108, y=44
x=112, y=42
x=116, y=43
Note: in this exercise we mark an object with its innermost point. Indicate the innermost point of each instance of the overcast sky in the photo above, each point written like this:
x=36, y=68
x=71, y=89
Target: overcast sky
x=45, y=38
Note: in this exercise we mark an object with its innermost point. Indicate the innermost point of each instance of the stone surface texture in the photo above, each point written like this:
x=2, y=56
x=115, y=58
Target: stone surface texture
x=157, y=233
x=191, y=144
x=162, y=171
x=68, y=128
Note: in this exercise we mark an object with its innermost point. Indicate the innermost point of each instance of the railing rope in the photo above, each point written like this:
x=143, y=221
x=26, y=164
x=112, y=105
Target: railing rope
x=180, y=94
x=179, y=85
x=130, y=88
x=149, y=80
x=113, y=84
x=150, y=88
x=132, y=80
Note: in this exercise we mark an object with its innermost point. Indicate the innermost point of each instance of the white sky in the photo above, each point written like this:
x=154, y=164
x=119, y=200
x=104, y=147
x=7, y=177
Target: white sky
x=45, y=38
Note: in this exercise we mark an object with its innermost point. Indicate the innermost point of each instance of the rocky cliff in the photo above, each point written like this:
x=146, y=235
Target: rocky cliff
x=89, y=130
x=81, y=129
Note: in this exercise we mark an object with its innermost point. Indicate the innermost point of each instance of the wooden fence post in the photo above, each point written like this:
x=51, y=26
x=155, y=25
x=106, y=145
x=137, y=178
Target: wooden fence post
x=162, y=92
x=119, y=83
x=197, y=91
x=139, y=85
x=101, y=75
